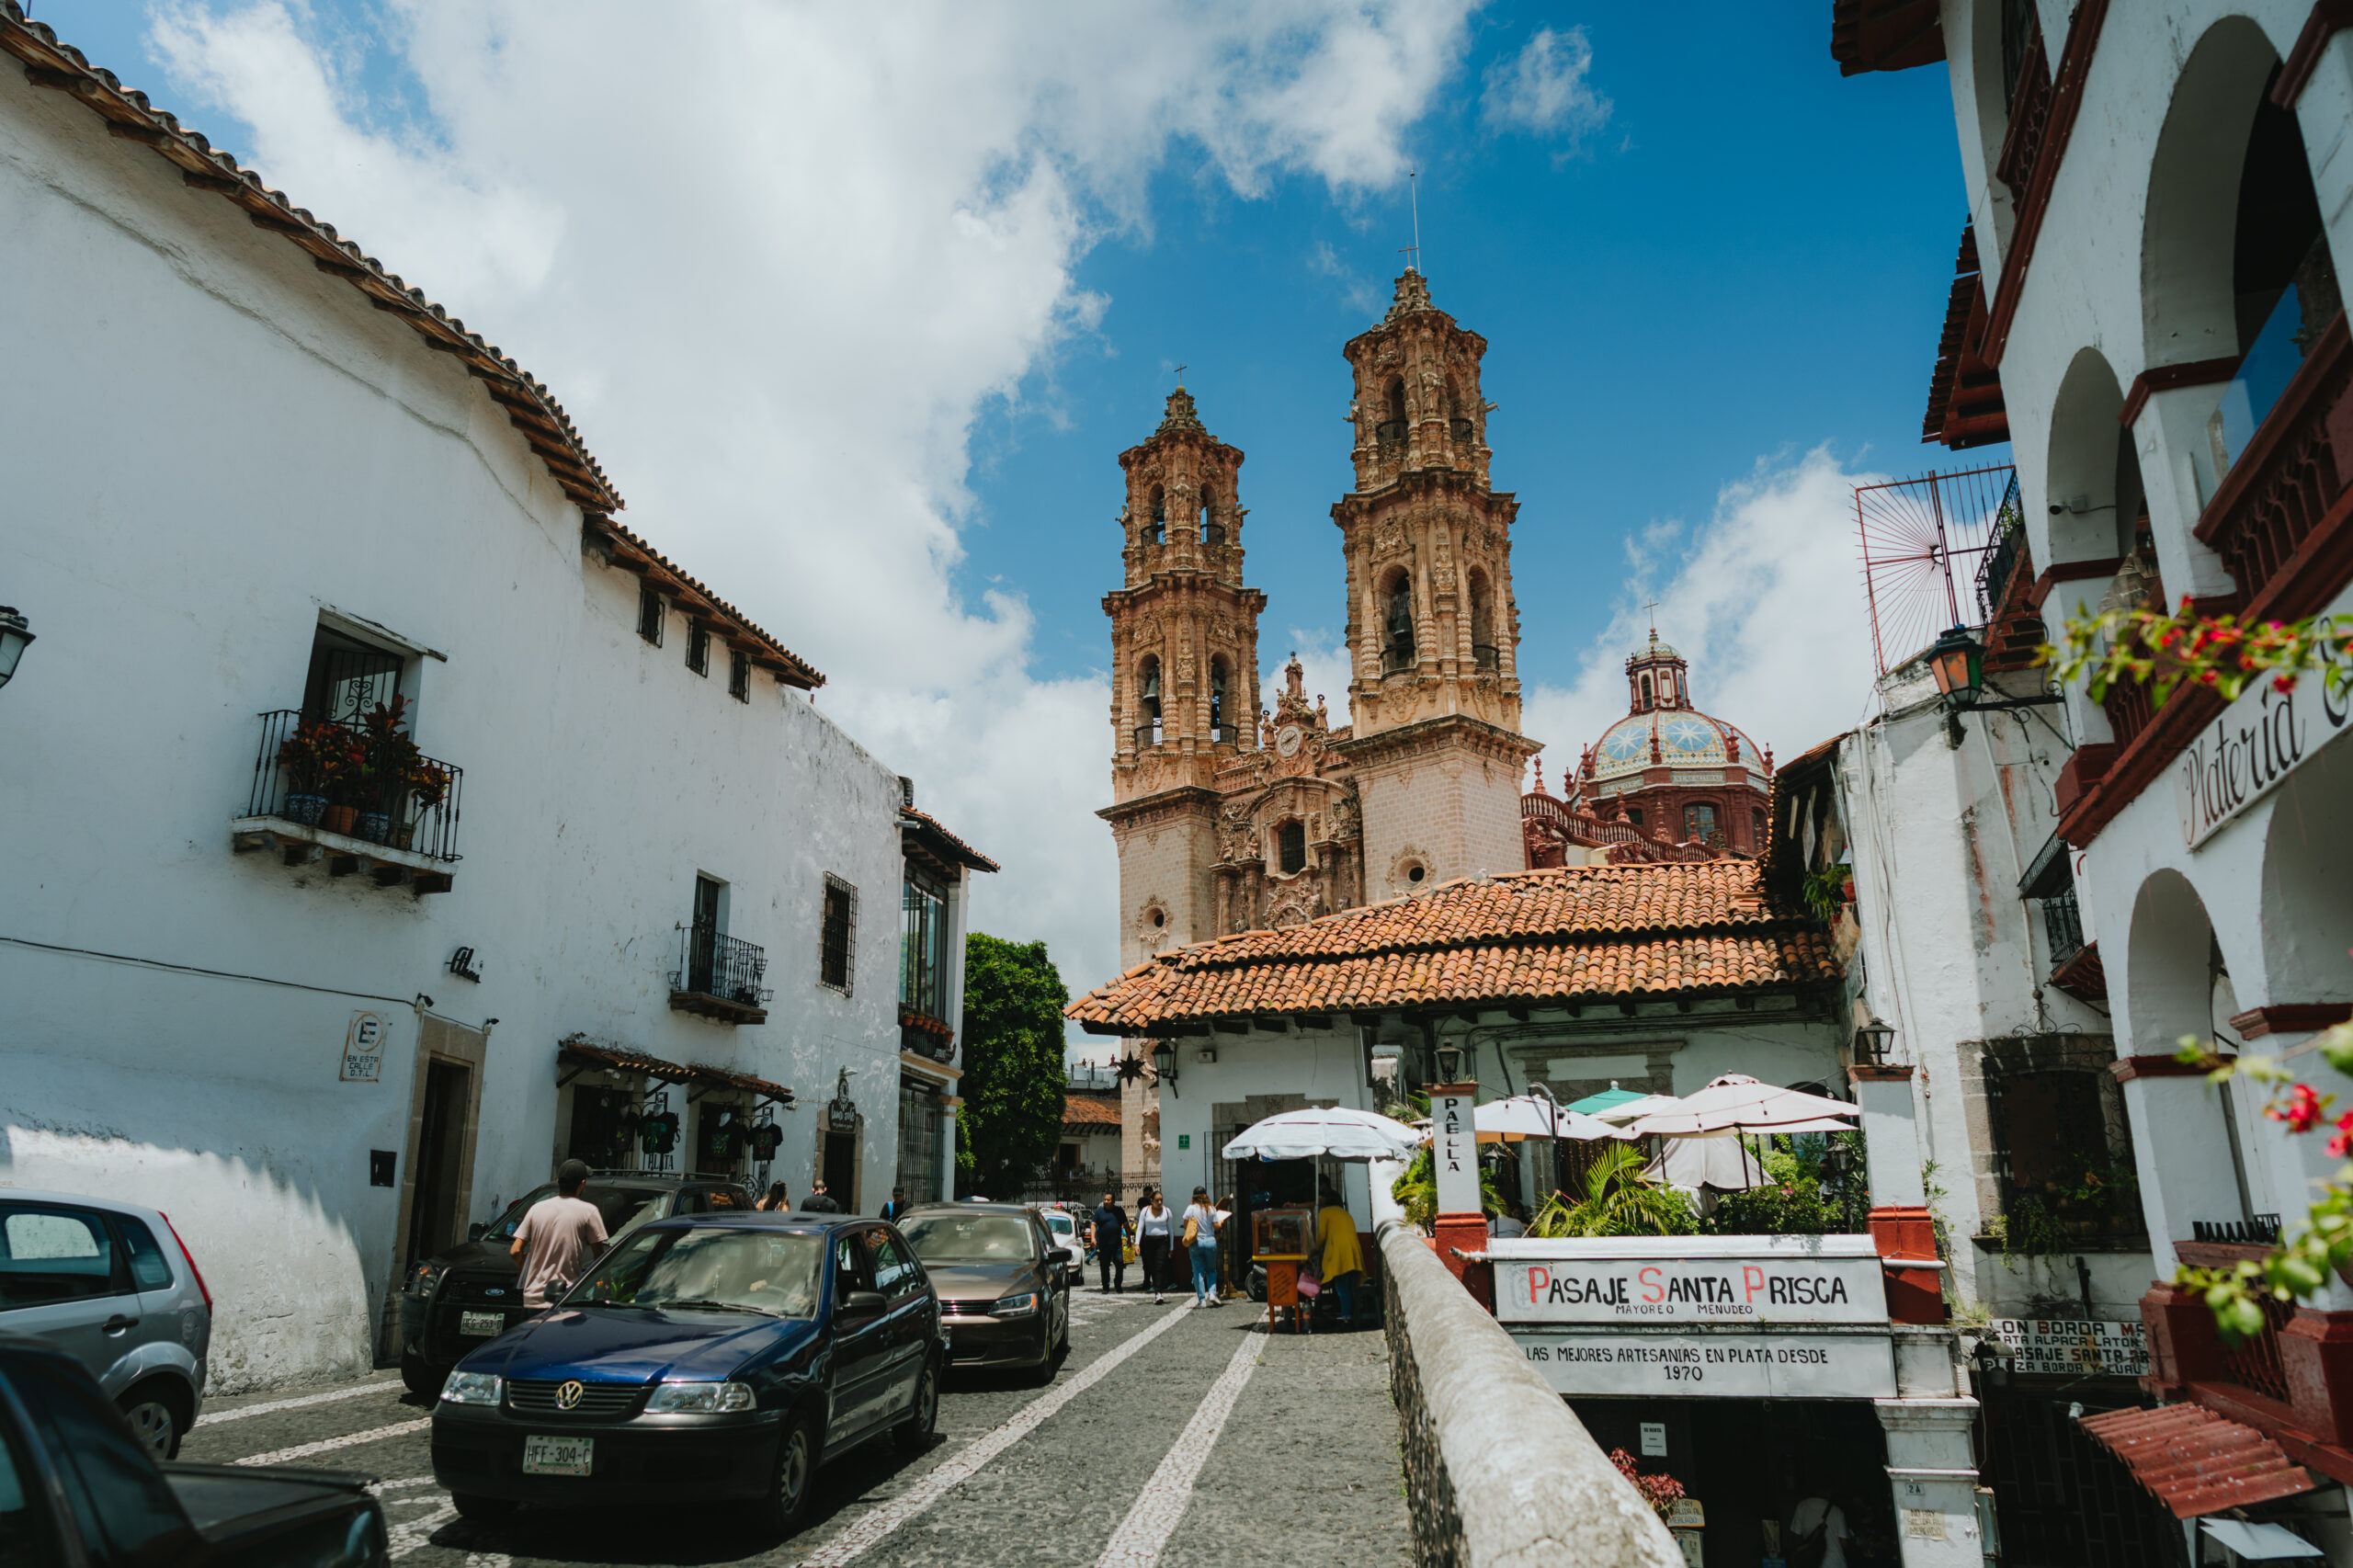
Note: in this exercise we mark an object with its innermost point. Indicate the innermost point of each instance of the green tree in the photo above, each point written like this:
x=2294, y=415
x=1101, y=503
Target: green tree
x=1012, y=1117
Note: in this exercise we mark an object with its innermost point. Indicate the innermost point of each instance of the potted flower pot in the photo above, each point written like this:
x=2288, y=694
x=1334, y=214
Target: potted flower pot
x=403, y=834
x=340, y=819
x=375, y=827
x=306, y=809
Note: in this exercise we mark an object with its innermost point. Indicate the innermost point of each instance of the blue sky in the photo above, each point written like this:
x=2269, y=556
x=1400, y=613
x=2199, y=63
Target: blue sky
x=858, y=306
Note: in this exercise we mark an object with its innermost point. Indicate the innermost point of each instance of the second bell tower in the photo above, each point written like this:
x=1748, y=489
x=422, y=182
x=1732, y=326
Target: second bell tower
x=1433, y=627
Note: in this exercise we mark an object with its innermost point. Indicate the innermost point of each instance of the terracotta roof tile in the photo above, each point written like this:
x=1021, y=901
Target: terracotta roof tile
x=1580, y=934
x=1091, y=1110
x=956, y=847
x=2196, y=1462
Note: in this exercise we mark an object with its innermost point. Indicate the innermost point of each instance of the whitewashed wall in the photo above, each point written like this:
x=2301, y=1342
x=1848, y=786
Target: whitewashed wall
x=207, y=441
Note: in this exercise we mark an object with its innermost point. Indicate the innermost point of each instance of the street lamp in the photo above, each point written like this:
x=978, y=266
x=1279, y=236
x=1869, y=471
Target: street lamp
x=1450, y=1062
x=16, y=636
x=1870, y=1041
x=1163, y=1058
x=1958, y=661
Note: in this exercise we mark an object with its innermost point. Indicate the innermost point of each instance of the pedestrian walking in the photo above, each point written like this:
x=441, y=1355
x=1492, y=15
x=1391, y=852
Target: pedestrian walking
x=1201, y=1244
x=820, y=1200
x=775, y=1199
x=1340, y=1262
x=897, y=1206
x=1110, y=1234
x=1155, y=1231
x=558, y=1237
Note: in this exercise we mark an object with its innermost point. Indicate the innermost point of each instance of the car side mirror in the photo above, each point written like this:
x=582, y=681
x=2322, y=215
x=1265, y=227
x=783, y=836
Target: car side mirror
x=475, y=1231
x=863, y=1304
x=1067, y=1256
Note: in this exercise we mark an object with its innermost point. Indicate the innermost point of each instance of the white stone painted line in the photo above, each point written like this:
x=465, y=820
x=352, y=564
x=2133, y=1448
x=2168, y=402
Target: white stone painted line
x=879, y=1522
x=1142, y=1536
x=381, y=1487
x=272, y=1406
x=327, y=1445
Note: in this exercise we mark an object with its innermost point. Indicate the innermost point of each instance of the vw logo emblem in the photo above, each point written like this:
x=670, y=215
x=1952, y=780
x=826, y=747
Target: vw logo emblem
x=568, y=1394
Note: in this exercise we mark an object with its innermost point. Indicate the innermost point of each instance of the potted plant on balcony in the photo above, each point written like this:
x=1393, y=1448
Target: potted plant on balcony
x=388, y=766
x=318, y=758
x=428, y=785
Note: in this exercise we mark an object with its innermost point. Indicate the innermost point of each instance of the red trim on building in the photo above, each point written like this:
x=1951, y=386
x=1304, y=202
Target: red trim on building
x=2168, y=378
x=1965, y=393
x=2067, y=98
x=2328, y=18
x=2083, y=977
x=2128, y=1068
x=2289, y=1018
x=1884, y=35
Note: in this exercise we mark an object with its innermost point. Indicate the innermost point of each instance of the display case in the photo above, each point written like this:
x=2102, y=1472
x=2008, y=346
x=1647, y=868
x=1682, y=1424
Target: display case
x=1281, y=1232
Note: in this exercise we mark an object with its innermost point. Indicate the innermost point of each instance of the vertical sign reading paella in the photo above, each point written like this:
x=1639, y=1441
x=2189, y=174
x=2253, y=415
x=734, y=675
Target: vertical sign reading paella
x=1454, y=1148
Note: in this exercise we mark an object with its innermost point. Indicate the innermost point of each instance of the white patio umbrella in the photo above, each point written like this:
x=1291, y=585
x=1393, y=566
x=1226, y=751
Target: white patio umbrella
x=1332, y=1132
x=1736, y=1103
x=1722, y=1162
x=1532, y=1115
x=1635, y=1110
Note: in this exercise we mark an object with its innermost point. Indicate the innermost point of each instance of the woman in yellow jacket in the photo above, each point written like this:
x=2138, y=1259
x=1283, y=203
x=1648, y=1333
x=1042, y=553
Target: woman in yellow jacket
x=1339, y=1258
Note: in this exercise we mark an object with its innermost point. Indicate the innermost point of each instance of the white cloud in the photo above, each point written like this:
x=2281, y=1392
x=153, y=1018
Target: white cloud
x=775, y=259
x=1546, y=89
x=1766, y=602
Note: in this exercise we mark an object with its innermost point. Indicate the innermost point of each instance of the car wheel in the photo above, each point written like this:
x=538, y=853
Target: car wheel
x=156, y=1415
x=913, y=1434
x=481, y=1509
x=421, y=1377
x=787, y=1503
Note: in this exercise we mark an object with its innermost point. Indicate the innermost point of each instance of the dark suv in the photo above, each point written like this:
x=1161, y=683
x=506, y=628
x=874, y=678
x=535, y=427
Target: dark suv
x=468, y=1296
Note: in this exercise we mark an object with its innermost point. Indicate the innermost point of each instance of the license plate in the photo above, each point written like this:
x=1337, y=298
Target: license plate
x=482, y=1323
x=558, y=1456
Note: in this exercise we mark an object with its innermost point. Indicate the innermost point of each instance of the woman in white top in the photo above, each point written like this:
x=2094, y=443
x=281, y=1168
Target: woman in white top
x=1202, y=1218
x=1155, y=1228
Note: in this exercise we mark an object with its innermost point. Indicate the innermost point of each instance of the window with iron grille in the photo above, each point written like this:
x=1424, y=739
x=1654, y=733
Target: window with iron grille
x=699, y=648
x=923, y=945
x=347, y=679
x=648, y=615
x=739, y=674
x=837, y=936
x=1292, y=842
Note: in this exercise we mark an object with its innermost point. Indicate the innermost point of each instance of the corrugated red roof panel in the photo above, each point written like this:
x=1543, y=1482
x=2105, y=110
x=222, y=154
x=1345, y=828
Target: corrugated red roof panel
x=2196, y=1462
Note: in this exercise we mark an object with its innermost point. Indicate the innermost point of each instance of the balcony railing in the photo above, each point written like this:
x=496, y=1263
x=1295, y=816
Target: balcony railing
x=2263, y=1231
x=717, y=976
x=1148, y=735
x=1482, y=656
x=2063, y=926
x=1388, y=438
x=2286, y=478
x=314, y=793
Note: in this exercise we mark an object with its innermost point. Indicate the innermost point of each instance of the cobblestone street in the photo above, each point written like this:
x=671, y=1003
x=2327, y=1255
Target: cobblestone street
x=1169, y=1435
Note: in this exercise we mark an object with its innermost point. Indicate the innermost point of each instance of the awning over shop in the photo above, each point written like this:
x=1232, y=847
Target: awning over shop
x=582, y=1053
x=2194, y=1461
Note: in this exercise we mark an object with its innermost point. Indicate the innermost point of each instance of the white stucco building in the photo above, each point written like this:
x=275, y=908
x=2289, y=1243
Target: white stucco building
x=2158, y=194
x=256, y=484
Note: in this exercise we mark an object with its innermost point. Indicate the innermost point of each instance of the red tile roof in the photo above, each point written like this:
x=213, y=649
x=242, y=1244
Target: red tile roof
x=1092, y=1112
x=1573, y=935
x=2196, y=1462
x=582, y=1053
x=944, y=843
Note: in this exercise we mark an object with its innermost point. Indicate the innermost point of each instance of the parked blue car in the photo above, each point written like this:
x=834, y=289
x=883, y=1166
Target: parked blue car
x=711, y=1357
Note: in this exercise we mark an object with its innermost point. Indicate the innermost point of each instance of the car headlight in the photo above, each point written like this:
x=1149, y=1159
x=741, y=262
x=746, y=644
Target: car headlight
x=473, y=1388
x=1019, y=1306
x=699, y=1399
x=421, y=1282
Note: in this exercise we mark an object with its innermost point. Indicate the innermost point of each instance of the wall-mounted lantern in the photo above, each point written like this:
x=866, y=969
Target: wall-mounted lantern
x=16, y=636
x=1164, y=1058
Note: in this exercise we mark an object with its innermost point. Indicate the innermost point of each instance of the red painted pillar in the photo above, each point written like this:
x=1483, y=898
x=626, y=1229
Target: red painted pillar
x=2316, y=1352
x=2184, y=1347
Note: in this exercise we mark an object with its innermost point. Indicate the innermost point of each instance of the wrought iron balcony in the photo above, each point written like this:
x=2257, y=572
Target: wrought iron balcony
x=2263, y=1231
x=719, y=977
x=2063, y=926
x=324, y=790
x=923, y=1035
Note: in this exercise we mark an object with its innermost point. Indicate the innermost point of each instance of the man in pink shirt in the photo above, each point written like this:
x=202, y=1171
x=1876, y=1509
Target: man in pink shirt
x=558, y=1237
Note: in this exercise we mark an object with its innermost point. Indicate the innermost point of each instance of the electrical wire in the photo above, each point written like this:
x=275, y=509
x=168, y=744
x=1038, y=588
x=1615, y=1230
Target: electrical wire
x=214, y=973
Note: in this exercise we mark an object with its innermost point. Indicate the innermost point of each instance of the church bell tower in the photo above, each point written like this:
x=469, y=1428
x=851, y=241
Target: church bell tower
x=1185, y=676
x=1433, y=626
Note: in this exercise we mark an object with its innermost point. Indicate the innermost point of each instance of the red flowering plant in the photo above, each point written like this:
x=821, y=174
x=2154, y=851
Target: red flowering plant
x=1659, y=1491
x=2217, y=652
x=319, y=758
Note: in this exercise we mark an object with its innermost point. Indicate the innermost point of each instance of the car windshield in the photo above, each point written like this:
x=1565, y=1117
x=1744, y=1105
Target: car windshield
x=969, y=1238
x=763, y=1271
x=620, y=1207
x=1059, y=1224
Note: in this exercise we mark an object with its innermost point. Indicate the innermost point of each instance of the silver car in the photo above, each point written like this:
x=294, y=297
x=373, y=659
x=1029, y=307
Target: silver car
x=112, y=1284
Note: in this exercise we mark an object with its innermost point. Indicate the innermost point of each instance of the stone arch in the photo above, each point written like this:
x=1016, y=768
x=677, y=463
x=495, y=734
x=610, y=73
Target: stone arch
x=1394, y=598
x=1998, y=31
x=1220, y=685
x=1156, y=527
x=1148, y=696
x=2190, y=230
x=1483, y=652
x=2093, y=497
x=1213, y=530
x=2308, y=875
x=2170, y=971
x=1392, y=413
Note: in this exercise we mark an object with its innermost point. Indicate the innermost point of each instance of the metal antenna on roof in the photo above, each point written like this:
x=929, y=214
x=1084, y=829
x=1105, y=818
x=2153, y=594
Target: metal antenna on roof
x=1412, y=253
